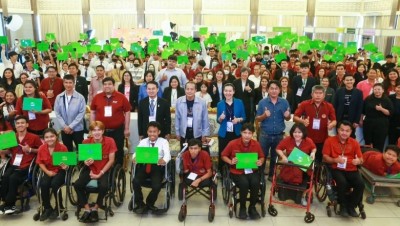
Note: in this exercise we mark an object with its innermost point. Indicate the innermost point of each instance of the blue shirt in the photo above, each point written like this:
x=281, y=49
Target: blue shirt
x=143, y=92
x=274, y=124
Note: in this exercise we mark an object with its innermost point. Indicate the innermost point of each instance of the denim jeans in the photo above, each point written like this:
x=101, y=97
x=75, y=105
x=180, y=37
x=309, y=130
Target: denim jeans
x=268, y=144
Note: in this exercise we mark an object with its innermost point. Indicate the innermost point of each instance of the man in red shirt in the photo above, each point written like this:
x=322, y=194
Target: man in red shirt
x=343, y=154
x=114, y=110
x=198, y=163
x=21, y=158
x=383, y=164
x=318, y=116
x=245, y=179
x=52, y=85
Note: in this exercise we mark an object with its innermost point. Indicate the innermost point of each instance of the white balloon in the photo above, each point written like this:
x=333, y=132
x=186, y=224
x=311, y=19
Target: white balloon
x=15, y=23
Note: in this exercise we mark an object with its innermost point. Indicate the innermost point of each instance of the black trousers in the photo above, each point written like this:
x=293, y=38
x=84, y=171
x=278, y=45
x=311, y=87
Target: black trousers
x=12, y=178
x=394, y=134
x=188, y=136
x=222, y=143
x=53, y=183
x=37, y=132
x=375, y=132
x=244, y=182
x=83, y=180
x=119, y=138
x=205, y=183
x=318, y=154
x=156, y=175
x=69, y=139
x=346, y=180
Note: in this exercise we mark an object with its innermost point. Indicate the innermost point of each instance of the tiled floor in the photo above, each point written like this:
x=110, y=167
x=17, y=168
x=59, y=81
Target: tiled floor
x=384, y=212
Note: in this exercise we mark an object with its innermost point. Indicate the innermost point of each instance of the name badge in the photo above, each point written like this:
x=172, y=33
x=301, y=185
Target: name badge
x=192, y=176
x=229, y=127
x=152, y=118
x=31, y=115
x=18, y=159
x=299, y=92
x=248, y=171
x=316, y=123
x=342, y=166
x=107, y=111
x=190, y=122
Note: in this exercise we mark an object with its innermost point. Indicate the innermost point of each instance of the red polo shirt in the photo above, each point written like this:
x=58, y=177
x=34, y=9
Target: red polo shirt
x=374, y=162
x=119, y=106
x=236, y=146
x=32, y=141
x=288, y=144
x=44, y=157
x=42, y=120
x=199, y=165
x=325, y=112
x=57, y=87
x=350, y=149
x=108, y=147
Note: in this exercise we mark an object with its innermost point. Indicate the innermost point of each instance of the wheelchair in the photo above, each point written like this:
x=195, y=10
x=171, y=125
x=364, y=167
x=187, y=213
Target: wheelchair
x=230, y=192
x=28, y=187
x=62, y=212
x=115, y=194
x=167, y=185
x=325, y=187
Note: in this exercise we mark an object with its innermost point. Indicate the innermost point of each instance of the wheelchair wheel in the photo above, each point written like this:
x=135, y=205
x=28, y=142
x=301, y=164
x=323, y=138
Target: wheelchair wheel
x=64, y=216
x=272, y=211
x=320, y=182
x=263, y=212
x=328, y=211
x=226, y=186
x=36, y=216
x=119, y=184
x=370, y=199
x=73, y=175
x=130, y=205
x=309, y=218
x=182, y=213
x=180, y=191
x=211, y=213
x=172, y=175
x=131, y=178
x=398, y=203
x=230, y=213
x=35, y=177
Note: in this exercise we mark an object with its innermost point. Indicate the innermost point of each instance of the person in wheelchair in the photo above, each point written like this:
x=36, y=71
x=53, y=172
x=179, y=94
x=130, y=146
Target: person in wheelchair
x=153, y=171
x=197, y=165
x=95, y=170
x=247, y=179
x=343, y=154
x=18, y=169
x=298, y=138
x=383, y=164
x=54, y=176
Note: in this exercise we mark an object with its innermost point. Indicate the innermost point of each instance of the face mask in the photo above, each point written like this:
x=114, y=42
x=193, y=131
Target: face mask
x=114, y=60
x=209, y=77
x=118, y=65
x=266, y=57
x=81, y=62
x=150, y=69
x=226, y=72
x=214, y=64
x=136, y=65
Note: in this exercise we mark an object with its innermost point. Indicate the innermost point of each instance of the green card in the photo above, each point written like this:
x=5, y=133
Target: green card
x=43, y=46
x=280, y=57
x=93, y=41
x=341, y=50
x=50, y=37
x=351, y=50
x=83, y=36
x=247, y=160
x=304, y=39
x=183, y=39
x=147, y=155
x=304, y=47
x=300, y=158
x=286, y=44
x=221, y=40
x=314, y=44
x=376, y=57
x=95, y=48
x=396, y=50
x=242, y=54
x=66, y=158
x=8, y=140
x=337, y=57
x=180, y=46
x=252, y=49
x=194, y=46
x=352, y=44
x=327, y=57
x=203, y=30
x=329, y=47
x=259, y=39
x=32, y=104
x=167, y=39
x=166, y=53
x=90, y=151
x=154, y=41
x=239, y=42
x=27, y=43
x=232, y=45
x=371, y=47
x=226, y=56
x=275, y=40
x=67, y=48
x=393, y=176
x=135, y=47
x=114, y=42
x=36, y=66
x=107, y=48
x=62, y=56
x=152, y=49
x=225, y=48
x=212, y=39
x=158, y=33
x=121, y=52
x=82, y=49
x=4, y=40
x=183, y=60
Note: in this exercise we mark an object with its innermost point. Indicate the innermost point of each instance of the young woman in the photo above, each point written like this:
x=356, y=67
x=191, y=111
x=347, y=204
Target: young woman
x=19, y=89
x=228, y=77
x=136, y=71
x=8, y=106
x=262, y=91
x=95, y=170
x=230, y=115
x=198, y=79
x=266, y=73
x=297, y=139
x=329, y=92
x=215, y=89
x=203, y=94
x=286, y=93
x=394, y=123
x=38, y=120
x=361, y=74
x=129, y=89
x=321, y=74
x=118, y=72
x=54, y=176
x=148, y=76
x=273, y=68
x=173, y=91
x=9, y=82
x=389, y=84
x=63, y=70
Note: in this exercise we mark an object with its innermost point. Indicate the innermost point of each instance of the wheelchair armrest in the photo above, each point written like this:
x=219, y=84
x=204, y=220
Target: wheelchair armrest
x=296, y=165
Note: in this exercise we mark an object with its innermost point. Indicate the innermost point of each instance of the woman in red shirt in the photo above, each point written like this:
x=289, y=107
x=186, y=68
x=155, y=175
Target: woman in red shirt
x=54, y=176
x=38, y=120
x=95, y=170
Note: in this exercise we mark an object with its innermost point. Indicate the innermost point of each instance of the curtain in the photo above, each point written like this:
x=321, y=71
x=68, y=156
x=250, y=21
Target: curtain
x=104, y=23
x=26, y=31
x=227, y=21
x=181, y=20
x=66, y=27
x=327, y=21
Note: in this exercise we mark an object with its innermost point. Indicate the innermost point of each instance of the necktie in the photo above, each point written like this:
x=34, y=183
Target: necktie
x=152, y=108
x=86, y=73
x=148, y=166
x=13, y=66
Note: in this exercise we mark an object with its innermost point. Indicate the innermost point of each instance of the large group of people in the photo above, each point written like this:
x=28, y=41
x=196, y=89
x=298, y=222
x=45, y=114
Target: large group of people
x=359, y=98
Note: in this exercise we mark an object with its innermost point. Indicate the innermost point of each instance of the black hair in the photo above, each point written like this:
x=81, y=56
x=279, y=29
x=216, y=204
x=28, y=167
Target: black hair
x=345, y=123
x=393, y=148
x=274, y=82
x=69, y=77
x=108, y=79
x=21, y=117
x=176, y=78
x=248, y=126
x=131, y=82
x=194, y=142
x=153, y=82
x=301, y=127
x=154, y=124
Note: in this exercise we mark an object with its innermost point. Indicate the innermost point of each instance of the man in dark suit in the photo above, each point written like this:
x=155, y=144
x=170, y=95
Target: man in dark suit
x=153, y=108
x=337, y=80
x=244, y=90
x=80, y=82
x=302, y=85
x=284, y=71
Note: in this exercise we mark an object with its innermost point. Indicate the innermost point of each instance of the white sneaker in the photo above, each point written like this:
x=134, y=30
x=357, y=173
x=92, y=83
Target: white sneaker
x=10, y=209
x=304, y=201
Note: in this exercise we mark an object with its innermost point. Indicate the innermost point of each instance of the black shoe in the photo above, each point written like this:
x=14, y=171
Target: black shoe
x=54, y=214
x=94, y=216
x=139, y=208
x=242, y=213
x=343, y=211
x=85, y=217
x=46, y=214
x=254, y=215
x=270, y=178
x=2, y=208
x=10, y=210
x=352, y=212
x=152, y=208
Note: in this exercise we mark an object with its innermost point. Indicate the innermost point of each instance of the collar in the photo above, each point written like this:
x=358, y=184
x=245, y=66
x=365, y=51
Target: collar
x=312, y=102
x=155, y=99
x=112, y=94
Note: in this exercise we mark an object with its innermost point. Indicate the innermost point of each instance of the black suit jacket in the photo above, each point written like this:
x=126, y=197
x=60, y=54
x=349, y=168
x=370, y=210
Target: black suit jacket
x=215, y=97
x=133, y=95
x=167, y=94
x=355, y=107
x=246, y=97
x=306, y=95
x=82, y=87
x=163, y=116
x=333, y=83
x=278, y=75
